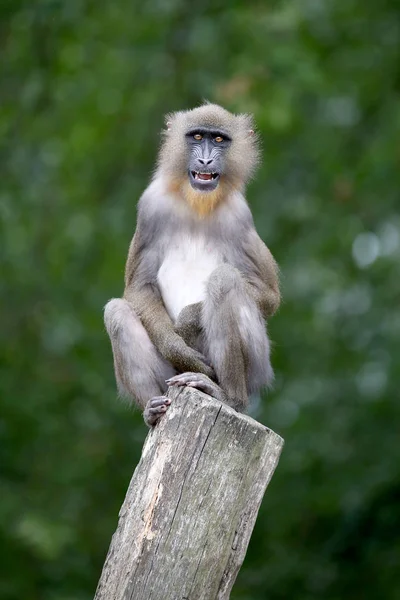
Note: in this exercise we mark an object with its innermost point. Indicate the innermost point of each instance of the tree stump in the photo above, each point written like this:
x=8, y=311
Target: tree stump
x=191, y=505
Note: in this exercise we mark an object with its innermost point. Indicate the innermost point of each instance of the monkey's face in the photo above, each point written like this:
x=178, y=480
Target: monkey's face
x=207, y=153
x=207, y=149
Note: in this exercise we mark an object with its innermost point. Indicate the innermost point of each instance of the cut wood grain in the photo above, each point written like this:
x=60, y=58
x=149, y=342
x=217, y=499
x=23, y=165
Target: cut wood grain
x=191, y=505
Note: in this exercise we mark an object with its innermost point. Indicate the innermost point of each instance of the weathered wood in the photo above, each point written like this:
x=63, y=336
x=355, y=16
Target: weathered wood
x=191, y=505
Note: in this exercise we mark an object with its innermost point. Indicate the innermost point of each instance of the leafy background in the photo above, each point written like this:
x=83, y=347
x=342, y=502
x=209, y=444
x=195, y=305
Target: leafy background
x=84, y=86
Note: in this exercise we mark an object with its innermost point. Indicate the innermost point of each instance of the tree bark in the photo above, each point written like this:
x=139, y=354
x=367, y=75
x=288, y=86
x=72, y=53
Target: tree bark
x=191, y=505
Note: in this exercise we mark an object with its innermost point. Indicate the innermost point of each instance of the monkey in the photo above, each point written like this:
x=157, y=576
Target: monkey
x=199, y=281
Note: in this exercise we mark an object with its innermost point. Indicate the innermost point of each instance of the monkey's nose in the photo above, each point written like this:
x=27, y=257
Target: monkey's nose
x=205, y=162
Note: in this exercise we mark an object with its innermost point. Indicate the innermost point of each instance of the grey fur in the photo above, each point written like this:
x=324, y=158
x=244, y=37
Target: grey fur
x=226, y=328
x=139, y=367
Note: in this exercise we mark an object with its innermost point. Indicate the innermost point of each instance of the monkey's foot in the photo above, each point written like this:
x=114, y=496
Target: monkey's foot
x=155, y=409
x=200, y=382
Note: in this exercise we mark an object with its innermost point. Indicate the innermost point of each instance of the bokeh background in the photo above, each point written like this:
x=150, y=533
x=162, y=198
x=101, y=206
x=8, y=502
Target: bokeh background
x=84, y=87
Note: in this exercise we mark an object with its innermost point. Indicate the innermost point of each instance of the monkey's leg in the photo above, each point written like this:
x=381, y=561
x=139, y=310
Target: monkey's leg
x=140, y=370
x=235, y=336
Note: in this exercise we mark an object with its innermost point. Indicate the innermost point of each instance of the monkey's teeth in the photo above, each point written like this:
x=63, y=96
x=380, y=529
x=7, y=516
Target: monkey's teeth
x=204, y=176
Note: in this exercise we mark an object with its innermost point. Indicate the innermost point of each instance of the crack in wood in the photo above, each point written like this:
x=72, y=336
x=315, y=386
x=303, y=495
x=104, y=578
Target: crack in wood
x=197, y=568
x=191, y=505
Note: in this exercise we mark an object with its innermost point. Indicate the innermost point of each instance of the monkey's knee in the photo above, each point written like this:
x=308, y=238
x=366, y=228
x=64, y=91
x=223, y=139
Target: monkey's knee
x=139, y=368
x=223, y=280
x=125, y=327
x=116, y=312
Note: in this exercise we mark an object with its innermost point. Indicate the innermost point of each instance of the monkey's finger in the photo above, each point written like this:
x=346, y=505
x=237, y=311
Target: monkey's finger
x=158, y=410
x=196, y=383
x=151, y=417
x=181, y=375
x=180, y=382
x=175, y=382
x=194, y=380
x=159, y=401
x=204, y=386
x=181, y=379
x=155, y=409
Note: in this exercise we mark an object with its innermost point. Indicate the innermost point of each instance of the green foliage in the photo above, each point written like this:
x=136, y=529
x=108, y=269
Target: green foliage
x=84, y=88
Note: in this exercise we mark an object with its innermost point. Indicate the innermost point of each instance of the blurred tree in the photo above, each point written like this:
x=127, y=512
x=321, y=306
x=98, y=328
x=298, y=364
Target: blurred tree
x=84, y=86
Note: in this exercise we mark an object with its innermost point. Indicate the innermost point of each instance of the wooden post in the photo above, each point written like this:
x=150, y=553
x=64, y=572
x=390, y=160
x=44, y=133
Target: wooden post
x=191, y=505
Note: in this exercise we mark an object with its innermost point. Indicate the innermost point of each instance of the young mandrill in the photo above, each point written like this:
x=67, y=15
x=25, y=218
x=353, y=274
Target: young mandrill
x=199, y=282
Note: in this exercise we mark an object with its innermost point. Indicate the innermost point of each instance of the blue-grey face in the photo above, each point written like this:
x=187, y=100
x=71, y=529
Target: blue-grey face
x=207, y=148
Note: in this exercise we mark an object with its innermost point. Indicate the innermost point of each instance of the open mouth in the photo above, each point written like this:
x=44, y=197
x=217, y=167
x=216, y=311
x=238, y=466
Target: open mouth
x=204, y=176
x=203, y=181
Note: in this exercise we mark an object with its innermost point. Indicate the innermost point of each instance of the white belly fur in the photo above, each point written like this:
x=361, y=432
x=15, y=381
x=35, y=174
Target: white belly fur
x=183, y=274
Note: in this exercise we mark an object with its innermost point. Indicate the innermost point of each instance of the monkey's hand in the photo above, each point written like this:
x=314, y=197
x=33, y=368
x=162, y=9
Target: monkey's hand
x=200, y=382
x=155, y=409
x=183, y=357
x=188, y=323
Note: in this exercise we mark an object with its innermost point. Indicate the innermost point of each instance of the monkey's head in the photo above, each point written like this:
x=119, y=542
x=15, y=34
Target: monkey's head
x=208, y=152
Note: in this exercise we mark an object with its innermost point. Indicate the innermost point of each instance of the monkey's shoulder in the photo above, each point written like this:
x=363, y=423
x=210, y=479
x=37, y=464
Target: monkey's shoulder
x=157, y=201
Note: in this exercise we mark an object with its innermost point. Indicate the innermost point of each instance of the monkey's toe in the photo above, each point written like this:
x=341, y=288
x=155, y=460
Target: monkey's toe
x=155, y=409
x=181, y=379
x=195, y=380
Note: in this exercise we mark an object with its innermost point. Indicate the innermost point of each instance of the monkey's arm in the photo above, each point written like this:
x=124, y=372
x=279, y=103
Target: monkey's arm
x=148, y=305
x=262, y=278
x=188, y=323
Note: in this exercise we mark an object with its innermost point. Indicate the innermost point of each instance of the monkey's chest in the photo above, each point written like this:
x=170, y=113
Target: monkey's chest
x=184, y=272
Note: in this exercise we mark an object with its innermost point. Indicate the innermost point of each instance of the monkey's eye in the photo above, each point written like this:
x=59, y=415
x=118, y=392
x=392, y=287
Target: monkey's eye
x=219, y=139
x=198, y=136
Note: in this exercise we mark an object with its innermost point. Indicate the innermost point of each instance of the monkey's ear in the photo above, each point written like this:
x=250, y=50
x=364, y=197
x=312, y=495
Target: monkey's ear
x=169, y=117
x=246, y=124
